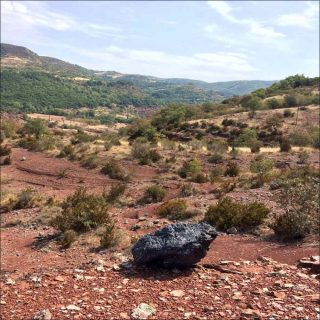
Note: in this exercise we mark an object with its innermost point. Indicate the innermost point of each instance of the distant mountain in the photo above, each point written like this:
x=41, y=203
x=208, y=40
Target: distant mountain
x=21, y=57
x=30, y=79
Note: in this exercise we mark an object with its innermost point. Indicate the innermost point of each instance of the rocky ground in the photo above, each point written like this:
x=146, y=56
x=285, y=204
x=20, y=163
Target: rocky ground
x=259, y=289
x=234, y=281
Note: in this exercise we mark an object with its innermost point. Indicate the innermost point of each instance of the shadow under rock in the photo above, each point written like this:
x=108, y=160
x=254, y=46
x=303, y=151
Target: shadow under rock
x=152, y=272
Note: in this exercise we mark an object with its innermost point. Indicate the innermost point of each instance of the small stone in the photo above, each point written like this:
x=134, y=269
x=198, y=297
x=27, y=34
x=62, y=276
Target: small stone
x=124, y=315
x=2, y=302
x=59, y=278
x=251, y=313
x=10, y=281
x=142, y=219
x=279, y=294
x=100, y=269
x=23, y=159
x=73, y=307
x=43, y=315
x=143, y=311
x=177, y=293
x=116, y=268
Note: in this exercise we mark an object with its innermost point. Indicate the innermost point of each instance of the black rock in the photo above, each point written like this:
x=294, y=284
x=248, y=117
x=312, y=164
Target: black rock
x=176, y=245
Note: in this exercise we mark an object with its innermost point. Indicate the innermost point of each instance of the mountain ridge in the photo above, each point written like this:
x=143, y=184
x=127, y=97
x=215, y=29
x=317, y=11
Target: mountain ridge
x=49, y=64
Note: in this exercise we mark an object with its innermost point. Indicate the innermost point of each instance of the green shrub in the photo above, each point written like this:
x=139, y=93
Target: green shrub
x=255, y=146
x=303, y=157
x=287, y=113
x=175, y=209
x=216, y=172
x=82, y=212
x=108, y=237
x=5, y=150
x=247, y=138
x=300, y=138
x=9, y=128
x=228, y=213
x=144, y=153
x=217, y=146
x=35, y=127
x=232, y=170
x=43, y=143
x=273, y=103
x=285, y=145
x=187, y=190
x=90, y=162
x=115, y=192
x=154, y=193
x=216, y=158
x=115, y=171
x=300, y=200
x=199, y=178
x=261, y=167
x=7, y=161
x=67, y=151
x=69, y=237
x=190, y=168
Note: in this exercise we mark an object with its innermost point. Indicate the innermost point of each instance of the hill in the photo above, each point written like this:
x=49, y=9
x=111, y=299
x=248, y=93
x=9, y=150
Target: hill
x=30, y=80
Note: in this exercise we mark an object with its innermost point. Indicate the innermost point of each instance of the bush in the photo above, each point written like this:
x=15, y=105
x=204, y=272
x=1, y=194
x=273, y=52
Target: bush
x=187, y=190
x=273, y=103
x=285, y=145
x=115, y=192
x=153, y=193
x=90, y=162
x=24, y=199
x=43, y=143
x=261, y=167
x=301, y=202
x=5, y=150
x=287, y=113
x=115, y=171
x=67, y=151
x=175, y=209
x=217, y=146
x=215, y=173
x=228, y=213
x=199, y=178
x=190, y=168
x=291, y=100
x=232, y=170
x=144, y=153
x=303, y=157
x=7, y=161
x=69, y=237
x=255, y=146
x=300, y=138
x=82, y=212
x=247, y=137
x=274, y=121
x=216, y=158
x=108, y=238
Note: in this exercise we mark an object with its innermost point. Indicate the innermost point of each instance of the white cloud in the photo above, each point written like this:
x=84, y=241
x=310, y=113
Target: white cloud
x=306, y=19
x=35, y=14
x=255, y=27
x=210, y=66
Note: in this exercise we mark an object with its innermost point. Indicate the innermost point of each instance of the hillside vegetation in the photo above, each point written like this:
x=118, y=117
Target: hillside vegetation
x=36, y=83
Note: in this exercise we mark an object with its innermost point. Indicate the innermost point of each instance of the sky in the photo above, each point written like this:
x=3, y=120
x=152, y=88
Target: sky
x=204, y=40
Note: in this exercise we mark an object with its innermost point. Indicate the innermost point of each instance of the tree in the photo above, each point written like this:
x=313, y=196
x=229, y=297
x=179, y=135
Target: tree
x=273, y=103
x=253, y=103
x=35, y=127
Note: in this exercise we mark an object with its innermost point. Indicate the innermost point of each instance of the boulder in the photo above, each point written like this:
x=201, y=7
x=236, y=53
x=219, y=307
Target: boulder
x=178, y=245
